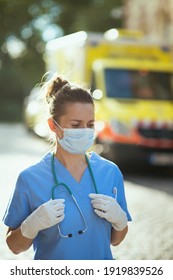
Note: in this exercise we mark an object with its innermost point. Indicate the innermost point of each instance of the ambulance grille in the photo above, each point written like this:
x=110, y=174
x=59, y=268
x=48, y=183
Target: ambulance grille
x=156, y=133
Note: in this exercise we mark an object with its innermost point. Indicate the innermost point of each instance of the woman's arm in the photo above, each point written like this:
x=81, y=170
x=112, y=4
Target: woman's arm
x=16, y=242
x=45, y=216
x=118, y=236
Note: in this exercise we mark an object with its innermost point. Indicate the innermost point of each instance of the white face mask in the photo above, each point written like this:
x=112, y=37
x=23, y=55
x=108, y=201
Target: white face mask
x=76, y=140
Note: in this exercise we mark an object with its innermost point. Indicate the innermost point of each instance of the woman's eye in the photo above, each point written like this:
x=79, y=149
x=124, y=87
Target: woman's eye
x=91, y=125
x=75, y=125
x=78, y=125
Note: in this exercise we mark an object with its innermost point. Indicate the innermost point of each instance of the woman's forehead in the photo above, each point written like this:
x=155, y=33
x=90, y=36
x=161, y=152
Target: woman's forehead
x=77, y=109
x=78, y=112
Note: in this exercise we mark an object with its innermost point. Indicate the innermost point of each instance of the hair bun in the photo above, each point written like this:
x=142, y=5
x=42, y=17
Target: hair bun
x=54, y=86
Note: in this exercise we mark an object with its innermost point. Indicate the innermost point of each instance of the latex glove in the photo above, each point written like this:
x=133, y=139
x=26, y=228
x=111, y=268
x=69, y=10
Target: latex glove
x=107, y=207
x=45, y=216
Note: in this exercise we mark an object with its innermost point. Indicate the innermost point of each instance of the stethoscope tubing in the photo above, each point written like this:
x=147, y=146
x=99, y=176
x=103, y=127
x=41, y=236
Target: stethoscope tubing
x=71, y=194
x=65, y=185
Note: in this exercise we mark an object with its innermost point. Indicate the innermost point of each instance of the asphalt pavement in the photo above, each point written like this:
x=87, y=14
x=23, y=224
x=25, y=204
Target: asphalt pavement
x=150, y=200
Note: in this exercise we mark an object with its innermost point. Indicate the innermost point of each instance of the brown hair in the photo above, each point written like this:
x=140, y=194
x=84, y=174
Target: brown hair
x=60, y=92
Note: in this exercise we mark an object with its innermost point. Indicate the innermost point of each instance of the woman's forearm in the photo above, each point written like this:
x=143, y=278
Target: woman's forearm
x=16, y=242
x=118, y=236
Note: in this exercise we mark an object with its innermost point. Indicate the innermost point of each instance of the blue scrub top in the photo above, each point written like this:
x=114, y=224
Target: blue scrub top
x=33, y=188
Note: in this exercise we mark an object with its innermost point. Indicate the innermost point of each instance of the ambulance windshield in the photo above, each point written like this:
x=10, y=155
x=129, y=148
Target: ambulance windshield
x=138, y=84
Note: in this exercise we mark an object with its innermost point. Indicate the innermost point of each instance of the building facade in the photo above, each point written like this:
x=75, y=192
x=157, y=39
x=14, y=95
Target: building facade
x=153, y=17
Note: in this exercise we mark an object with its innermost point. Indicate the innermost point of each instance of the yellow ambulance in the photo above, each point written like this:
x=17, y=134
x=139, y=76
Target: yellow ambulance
x=132, y=84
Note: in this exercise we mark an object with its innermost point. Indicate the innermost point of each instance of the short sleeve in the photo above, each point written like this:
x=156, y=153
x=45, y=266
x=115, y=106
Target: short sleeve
x=18, y=207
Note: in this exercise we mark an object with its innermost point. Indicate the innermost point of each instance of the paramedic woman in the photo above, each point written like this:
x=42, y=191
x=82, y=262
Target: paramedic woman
x=71, y=204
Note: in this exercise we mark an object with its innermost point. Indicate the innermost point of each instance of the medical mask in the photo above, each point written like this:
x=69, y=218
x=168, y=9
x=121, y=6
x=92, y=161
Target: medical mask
x=76, y=140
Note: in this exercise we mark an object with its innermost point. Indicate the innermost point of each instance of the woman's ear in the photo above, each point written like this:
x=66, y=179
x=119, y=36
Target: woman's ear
x=54, y=128
x=51, y=124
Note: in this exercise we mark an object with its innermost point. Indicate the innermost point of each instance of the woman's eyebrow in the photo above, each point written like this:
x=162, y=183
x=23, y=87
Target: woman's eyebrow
x=81, y=120
x=76, y=120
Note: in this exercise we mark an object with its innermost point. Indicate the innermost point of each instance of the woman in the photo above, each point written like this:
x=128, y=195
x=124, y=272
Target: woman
x=65, y=205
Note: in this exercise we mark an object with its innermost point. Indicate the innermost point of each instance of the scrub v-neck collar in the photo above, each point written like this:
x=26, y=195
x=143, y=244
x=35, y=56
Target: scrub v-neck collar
x=64, y=175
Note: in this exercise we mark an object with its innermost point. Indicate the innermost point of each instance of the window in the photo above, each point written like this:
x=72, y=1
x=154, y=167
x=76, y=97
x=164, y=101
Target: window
x=121, y=83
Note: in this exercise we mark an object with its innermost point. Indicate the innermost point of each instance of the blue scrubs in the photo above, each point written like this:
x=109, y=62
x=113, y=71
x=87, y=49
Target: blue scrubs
x=33, y=188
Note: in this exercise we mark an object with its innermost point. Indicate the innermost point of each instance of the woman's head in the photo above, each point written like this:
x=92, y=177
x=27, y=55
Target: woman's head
x=61, y=94
x=71, y=115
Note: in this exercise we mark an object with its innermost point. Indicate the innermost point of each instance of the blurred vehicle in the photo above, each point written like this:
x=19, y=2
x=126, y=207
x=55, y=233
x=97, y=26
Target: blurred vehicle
x=132, y=84
x=35, y=113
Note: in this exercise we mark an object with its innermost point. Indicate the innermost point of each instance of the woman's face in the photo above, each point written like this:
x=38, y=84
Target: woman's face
x=78, y=115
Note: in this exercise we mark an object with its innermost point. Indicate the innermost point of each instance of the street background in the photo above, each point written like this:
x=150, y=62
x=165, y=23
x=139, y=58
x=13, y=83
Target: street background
x=149, y=196
x=26, y=27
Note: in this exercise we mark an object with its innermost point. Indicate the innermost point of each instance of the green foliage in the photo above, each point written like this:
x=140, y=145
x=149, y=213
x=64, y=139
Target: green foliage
x=25, y=21
x=89, y=15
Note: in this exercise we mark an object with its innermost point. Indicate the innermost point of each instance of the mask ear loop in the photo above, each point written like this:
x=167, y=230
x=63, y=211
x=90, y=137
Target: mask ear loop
x=58, y=124
x=56, y=134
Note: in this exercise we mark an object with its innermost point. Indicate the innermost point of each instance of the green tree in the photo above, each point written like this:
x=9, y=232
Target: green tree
x=25, y=27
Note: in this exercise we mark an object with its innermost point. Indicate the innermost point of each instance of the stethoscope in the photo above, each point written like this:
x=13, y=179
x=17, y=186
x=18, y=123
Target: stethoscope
x=81, y=231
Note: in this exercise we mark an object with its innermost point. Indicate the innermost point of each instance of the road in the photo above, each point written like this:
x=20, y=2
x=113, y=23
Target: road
x=149, y=195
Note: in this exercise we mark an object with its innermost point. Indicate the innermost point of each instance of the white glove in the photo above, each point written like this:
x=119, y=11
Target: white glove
x=107, y=207
x=45, y=216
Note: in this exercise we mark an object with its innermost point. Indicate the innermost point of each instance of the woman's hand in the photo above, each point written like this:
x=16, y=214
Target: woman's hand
x=108, y=208
x=45, y=216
